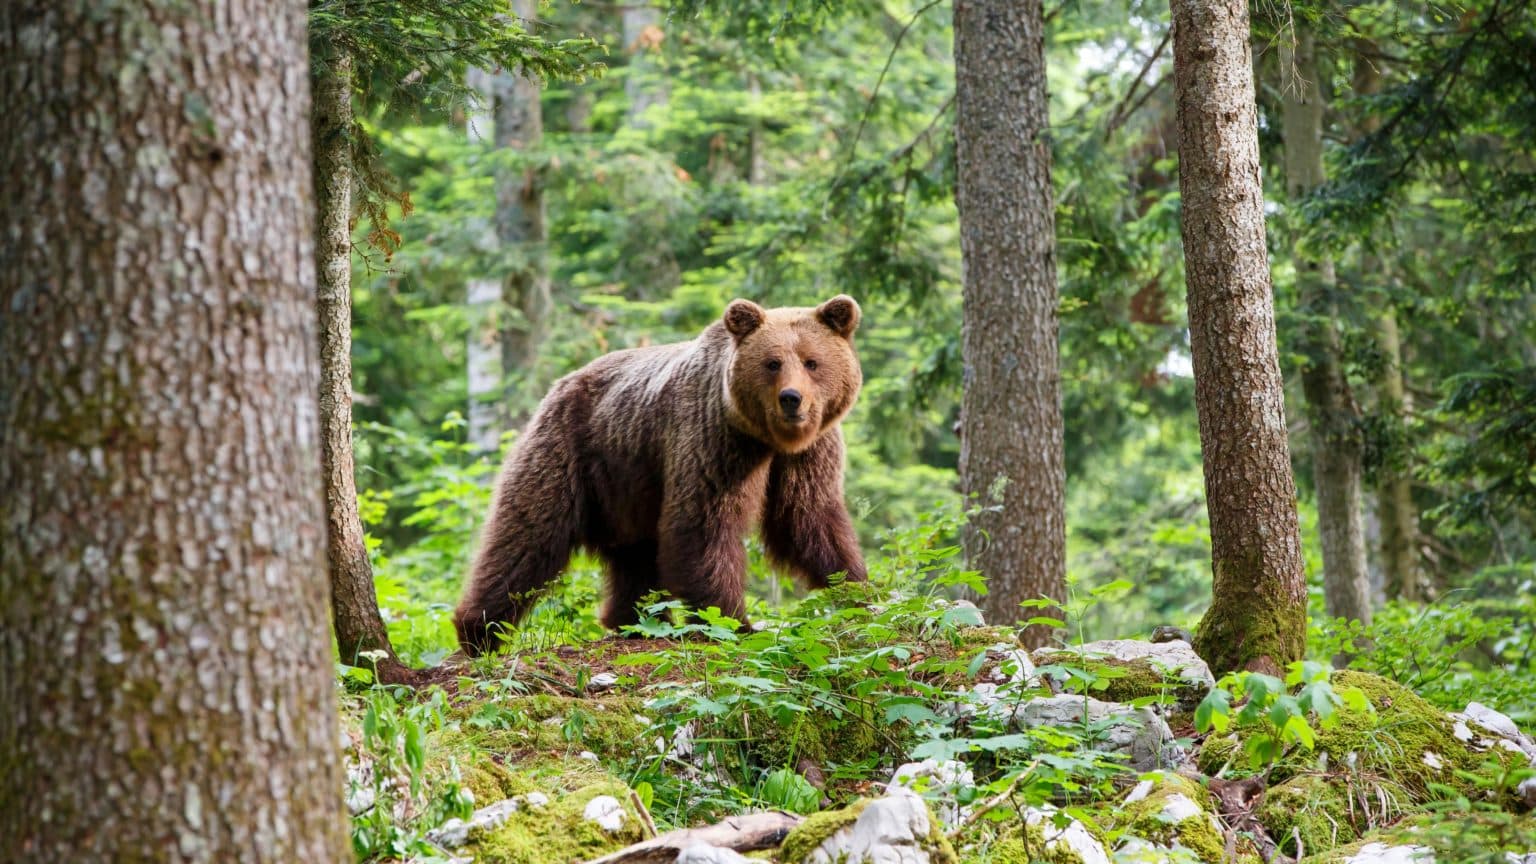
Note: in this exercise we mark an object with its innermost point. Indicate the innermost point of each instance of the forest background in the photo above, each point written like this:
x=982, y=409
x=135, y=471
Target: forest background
x=787, y=152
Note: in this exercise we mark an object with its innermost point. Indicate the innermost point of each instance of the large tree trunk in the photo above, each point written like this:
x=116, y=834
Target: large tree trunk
x=1394, y=487
x=1334, y=419
x=1011, y=428
x=1258, y=614
x=169, y=693
x=354, y=603
x=519, y=125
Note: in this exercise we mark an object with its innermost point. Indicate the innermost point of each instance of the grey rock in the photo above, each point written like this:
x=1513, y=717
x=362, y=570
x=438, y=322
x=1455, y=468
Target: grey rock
x=889, y=830
x=457, y=832
x=606, y=811
x=1176, y=659
x=1381, y=853
x=1071, y=834
x=939, y=782
x=1138, y=732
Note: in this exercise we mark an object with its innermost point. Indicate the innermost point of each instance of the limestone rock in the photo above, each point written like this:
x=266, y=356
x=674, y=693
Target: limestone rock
x=606, y=811
x=1137, y=732
x=1071, y=835
x=1381, y=853
x=1148, y=667
x=940, y=782
x=894, y=829
x=457, y=832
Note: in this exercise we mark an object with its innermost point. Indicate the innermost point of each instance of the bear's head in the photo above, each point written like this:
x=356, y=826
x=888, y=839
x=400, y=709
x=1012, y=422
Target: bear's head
x=794, y=373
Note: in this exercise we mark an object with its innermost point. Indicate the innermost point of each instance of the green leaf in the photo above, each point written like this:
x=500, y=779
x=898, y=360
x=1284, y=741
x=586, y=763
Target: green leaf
x=1214, y=711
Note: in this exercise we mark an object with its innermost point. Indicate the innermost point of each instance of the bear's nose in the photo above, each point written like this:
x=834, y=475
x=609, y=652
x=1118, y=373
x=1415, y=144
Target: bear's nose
x=789, y=400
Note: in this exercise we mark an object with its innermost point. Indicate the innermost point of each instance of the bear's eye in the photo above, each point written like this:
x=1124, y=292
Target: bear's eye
x=810, y=365
x=774, y=365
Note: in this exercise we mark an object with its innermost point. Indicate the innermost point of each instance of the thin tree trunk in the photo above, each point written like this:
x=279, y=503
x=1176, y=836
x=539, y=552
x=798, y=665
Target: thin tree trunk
x=483, y=303
x=520, y=225
x=1011, y=428
x=1399, y=515
x=354, y=603
x=169, y=689
x=1257, y=618
x=1336, y=444
x=1394, y=492
x=643, y=83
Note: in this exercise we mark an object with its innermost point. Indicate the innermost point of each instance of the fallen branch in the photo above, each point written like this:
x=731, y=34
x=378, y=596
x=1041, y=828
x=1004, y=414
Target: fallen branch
x=742, y=833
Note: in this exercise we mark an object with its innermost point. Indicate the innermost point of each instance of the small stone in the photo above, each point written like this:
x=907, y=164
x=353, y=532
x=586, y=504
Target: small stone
x=1527, y=792
x=1433, y=760
x=606, y=811
x=1177, y=807
x=536, y=799
x=602, y=681
x=587, y=755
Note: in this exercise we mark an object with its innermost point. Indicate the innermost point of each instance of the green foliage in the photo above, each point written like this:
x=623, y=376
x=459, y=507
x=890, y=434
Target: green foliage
x=1276, y=717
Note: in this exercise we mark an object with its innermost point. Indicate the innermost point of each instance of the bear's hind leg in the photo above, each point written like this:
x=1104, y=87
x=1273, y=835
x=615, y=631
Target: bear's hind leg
x=528, y=539
x=632, y=574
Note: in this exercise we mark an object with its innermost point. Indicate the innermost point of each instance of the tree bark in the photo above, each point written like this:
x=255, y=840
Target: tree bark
x=1394, y=492
x=354, y=603
x=519, y=125
x=1011, y=427
x=1334, y=420
x=169, y=690
x=1257, y=618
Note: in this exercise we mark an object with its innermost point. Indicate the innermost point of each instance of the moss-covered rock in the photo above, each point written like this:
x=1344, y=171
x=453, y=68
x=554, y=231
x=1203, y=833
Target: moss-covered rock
x=1407, y=743
x=1126, y=670
x=888, y=818
x=558, y=833
x=1310, y=813
x=1466, y=837
x=1174, y=812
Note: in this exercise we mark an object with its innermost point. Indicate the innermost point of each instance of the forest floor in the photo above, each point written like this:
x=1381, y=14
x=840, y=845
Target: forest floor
x=904, y=730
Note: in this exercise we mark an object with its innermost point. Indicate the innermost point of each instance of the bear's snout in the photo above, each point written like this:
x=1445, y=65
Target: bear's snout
x=789, y=401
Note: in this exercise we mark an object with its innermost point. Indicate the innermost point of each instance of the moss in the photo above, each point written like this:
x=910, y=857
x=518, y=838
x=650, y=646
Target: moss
x=817, y=827
x=1310, y=809
x=1243, y=629
x=1198, y=834
x=1129, y=680
x=1467, y=836
x=557, y=833
x=821, y=736
x=1387, y=749
x=488, y=781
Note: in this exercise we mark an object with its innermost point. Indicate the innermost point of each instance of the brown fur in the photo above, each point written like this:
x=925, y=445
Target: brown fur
x=660, y=459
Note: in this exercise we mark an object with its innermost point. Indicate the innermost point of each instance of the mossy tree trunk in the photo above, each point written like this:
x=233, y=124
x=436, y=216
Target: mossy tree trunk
x=519, y=125
x=1257, y=618
x=1011, y=426
x=169, y=693
x=1334, y=419
x=354, y=602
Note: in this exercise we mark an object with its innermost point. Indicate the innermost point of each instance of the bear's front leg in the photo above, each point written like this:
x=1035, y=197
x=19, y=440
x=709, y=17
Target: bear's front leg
x=806, y=526
x=700, y=552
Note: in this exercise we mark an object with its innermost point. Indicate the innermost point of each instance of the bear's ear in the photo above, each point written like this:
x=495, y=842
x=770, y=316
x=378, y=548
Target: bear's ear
x=840, y=313
x=742, y=317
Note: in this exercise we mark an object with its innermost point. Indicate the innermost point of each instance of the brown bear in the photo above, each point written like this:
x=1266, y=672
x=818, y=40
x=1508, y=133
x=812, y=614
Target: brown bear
x=659, y=460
